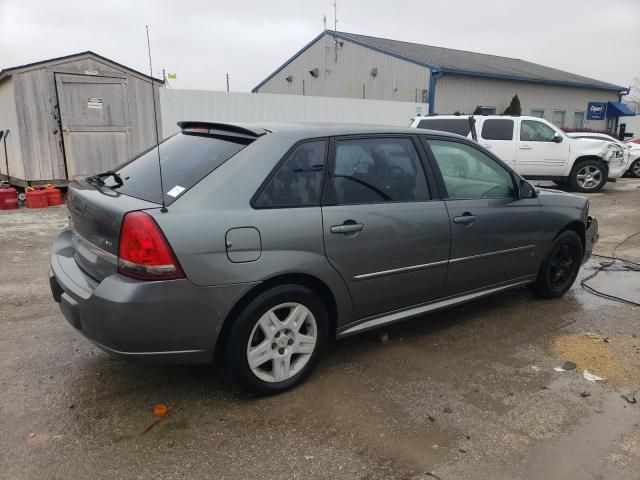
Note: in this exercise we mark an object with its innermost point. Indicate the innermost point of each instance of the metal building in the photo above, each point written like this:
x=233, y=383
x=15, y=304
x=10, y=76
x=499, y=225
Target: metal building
x=338, y=64
x=73, y=116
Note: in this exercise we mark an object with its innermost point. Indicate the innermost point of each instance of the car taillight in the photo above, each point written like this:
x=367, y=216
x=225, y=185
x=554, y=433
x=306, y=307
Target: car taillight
x=144, y=252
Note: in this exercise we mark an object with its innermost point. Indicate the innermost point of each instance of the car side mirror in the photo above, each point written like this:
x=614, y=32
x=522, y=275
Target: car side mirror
x=557, y=138
x=526, y=190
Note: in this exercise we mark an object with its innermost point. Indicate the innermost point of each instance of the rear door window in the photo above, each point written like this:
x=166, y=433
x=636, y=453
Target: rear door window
x=497, y=129
x=297, y=181
x=460, y=126
x=186, y=159
x=378, y=170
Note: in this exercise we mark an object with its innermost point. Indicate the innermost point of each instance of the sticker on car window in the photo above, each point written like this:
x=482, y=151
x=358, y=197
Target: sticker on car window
x=175, y=191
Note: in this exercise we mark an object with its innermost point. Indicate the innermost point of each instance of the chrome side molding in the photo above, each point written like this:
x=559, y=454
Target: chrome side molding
x=400, y=315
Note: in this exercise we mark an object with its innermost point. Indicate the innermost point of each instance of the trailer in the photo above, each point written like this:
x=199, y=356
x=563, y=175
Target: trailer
x=73, y=116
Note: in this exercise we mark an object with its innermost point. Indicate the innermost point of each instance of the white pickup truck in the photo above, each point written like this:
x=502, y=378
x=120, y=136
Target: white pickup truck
x=537, y=149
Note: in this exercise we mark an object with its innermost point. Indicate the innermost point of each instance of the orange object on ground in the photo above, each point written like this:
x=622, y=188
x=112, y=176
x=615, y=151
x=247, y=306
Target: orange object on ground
x=8, y=197
x=160, y=410
x=36, y=198
x=54, y=195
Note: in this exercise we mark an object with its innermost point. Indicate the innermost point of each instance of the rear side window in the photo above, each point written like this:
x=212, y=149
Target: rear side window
x=297, y=181
x=378, y=170
x=460, y=126
x=497, y=129
x=186, y=159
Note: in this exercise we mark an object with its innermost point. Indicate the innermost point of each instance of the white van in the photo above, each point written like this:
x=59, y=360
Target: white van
x=537, y=149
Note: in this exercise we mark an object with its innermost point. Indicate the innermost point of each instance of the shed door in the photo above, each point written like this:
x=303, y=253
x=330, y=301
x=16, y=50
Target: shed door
x=96, y=128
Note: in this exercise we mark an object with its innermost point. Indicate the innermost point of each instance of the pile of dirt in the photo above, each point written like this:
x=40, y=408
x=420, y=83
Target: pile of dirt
x=616, y=359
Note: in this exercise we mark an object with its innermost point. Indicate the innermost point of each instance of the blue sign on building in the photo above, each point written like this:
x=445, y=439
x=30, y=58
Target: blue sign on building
x=596, y=110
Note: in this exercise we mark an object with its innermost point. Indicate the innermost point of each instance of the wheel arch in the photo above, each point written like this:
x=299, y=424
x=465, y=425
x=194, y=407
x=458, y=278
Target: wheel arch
x=304, y=279
x=575, y=226
x=585, y=158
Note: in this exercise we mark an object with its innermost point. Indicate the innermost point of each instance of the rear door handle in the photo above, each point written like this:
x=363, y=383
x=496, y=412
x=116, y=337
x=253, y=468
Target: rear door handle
x=347, y=228
x=465, y=219
x=525, y=147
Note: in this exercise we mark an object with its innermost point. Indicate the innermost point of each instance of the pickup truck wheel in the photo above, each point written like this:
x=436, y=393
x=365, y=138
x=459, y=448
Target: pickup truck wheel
x=634, y=169
x=560, y=267
x=588, y=176
x=276, y=341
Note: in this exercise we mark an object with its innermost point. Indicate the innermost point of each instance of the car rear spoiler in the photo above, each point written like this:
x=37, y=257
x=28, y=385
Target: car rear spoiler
x=237, y=128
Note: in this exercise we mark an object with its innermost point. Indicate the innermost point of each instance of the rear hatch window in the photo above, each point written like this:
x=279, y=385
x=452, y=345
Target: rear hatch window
x=186, y=158
x=460, y=126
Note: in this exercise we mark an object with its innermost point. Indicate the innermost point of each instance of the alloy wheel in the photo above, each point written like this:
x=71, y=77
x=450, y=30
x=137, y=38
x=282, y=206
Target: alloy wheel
x=282, y=342
x=636, y=169
x=561, y=266
x=589, y=177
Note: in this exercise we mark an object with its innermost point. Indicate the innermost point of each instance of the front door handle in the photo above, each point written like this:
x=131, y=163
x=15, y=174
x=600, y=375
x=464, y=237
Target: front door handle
x=465, y=219
x=347, y=227
x=486, y=145
x=525, y=147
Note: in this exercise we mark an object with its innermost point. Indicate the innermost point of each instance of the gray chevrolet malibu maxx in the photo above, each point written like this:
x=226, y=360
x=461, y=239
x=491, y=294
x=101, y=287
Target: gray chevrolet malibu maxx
x=264, y=242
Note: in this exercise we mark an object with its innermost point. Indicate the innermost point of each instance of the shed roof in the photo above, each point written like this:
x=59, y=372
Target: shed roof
x=7, y=72
x=461, y=62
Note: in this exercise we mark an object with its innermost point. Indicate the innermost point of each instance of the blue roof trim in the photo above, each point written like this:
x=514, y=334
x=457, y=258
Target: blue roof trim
x=295, y=55
x=613, y=88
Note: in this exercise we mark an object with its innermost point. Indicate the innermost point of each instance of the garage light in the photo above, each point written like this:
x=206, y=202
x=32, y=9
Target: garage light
x=314, y=73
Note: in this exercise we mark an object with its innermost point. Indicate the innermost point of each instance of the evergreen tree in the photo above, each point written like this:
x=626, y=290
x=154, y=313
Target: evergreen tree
x=514, y=107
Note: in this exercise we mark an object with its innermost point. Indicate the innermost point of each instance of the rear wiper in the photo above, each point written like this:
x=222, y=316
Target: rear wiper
x=99, y=178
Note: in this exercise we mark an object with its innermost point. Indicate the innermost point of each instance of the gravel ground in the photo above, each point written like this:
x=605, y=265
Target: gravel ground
x=466, y=393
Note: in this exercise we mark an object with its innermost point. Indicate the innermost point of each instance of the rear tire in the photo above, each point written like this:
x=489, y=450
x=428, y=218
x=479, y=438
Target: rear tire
x=560, y=267
x=276, y=341
x=634, y=169
x=588, y=176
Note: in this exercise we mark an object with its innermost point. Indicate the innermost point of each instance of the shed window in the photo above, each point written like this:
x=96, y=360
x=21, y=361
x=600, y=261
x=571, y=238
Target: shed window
x=537, y=112
x=578, y=119
x=558, y=118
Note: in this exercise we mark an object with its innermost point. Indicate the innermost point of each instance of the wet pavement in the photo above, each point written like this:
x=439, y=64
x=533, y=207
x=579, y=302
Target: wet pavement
x=466, y=393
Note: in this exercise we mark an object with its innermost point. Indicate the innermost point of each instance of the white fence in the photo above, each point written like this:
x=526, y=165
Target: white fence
x=177, y=105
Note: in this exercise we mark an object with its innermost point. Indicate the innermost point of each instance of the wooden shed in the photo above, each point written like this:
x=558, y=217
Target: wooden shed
x=73, y=116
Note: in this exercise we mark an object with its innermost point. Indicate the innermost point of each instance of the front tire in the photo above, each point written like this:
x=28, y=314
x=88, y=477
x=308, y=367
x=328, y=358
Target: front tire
x=276, y=341
x=588, y=176
x=560, y=267
x=634, y=169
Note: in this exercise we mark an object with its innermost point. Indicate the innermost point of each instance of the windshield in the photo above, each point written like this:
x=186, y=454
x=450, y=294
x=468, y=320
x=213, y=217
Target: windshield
x=186, y=159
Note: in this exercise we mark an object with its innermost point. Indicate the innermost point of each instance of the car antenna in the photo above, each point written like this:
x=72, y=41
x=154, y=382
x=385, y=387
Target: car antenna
x=155, y=120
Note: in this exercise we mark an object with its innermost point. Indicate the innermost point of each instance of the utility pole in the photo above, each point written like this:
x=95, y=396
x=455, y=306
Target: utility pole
x=335, y=15
x=164, y=76
x=227, y=82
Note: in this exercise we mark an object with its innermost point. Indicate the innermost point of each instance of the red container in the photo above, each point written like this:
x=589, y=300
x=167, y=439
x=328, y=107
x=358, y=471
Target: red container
x=8, y=198
x=54, y=195
x=37, y=198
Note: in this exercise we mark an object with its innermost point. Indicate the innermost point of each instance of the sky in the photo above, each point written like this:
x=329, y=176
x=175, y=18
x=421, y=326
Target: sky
x=201, y=41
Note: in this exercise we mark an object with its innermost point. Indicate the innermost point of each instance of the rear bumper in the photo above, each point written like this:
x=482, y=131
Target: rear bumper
x=169, y=321
x=591, y=237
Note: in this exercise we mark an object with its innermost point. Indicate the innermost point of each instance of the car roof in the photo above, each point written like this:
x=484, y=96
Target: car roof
x=308, y=130
x=467, y=115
